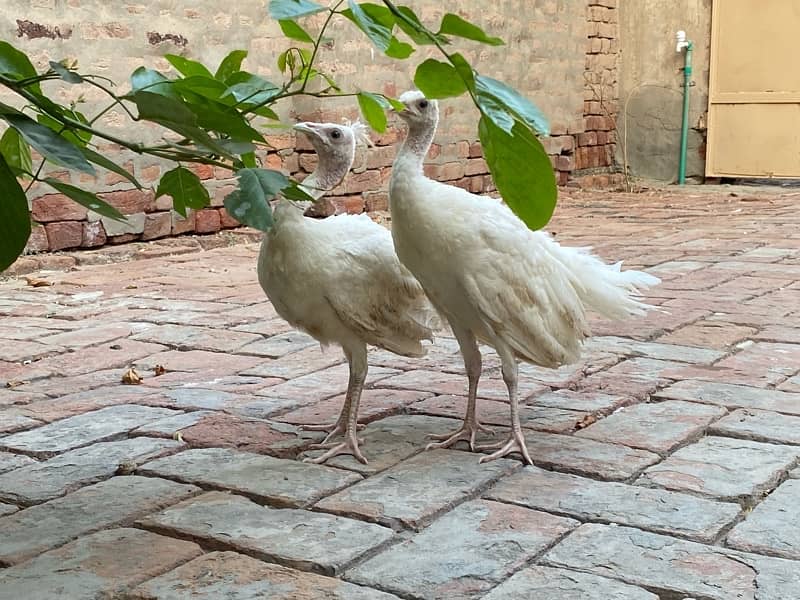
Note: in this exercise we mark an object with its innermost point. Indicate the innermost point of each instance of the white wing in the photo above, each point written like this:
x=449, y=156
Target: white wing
x=368, y=288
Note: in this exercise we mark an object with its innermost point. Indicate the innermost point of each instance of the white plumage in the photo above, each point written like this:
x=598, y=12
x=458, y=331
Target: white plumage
x=495, y=280
x=339, y=279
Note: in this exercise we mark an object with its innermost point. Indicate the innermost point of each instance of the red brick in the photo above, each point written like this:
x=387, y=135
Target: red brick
x=129, y=202
x=207, y=221
x=382, y=156
x=376, y=201
x=56, y=207
x=357, y=183
x=220, y=193
x=273, y=161
x=203, y=171
x=37, y=242
x=181, y=225
x=66, y=234
x=476, y=166
x=157, y=225
x=113, y=178
x=307, y=162
x=564, y=163
x=226, y=221
x=149, y=174
x=475, y=150
x=93, y=234
x=349, y=204
x=279, y=142
x=590, y=138
x=124, y=238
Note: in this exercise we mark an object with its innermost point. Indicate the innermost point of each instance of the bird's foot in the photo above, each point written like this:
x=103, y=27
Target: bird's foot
x=466, y=433
x=332, y=430
x=514, y=443
x=348, y=446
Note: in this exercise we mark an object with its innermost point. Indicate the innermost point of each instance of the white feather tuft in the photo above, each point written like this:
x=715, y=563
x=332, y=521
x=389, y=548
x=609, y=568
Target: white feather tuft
x=360, y=133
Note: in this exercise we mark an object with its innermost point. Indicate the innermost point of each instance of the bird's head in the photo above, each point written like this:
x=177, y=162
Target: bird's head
x=419, y=111
x=330, y=140
x=335, y=146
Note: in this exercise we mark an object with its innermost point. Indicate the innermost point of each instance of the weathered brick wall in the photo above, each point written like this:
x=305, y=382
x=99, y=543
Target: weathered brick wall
x=561, y=54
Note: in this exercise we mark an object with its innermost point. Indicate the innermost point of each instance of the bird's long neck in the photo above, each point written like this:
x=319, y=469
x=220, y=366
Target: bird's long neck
x=325, y=177
x=411, y=156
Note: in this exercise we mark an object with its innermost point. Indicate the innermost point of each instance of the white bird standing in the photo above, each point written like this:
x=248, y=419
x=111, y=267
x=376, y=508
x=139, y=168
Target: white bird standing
x=494, y=279
x=339, y=279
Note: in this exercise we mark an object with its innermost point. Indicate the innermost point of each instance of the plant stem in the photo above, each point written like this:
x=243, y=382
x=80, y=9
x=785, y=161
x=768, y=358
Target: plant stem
x=318, y=41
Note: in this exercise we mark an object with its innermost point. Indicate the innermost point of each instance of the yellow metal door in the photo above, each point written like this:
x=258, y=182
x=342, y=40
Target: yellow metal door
x=754, y=92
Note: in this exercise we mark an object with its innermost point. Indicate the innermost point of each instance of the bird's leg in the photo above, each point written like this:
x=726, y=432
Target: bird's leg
x=516, y=440
x=471, y=426
x=340, y=425
x=358, y=374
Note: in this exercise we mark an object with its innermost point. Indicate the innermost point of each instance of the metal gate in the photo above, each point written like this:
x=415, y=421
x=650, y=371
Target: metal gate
x=754, y=91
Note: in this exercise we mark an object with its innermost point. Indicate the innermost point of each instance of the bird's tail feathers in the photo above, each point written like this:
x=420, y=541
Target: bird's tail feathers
x=605, y=288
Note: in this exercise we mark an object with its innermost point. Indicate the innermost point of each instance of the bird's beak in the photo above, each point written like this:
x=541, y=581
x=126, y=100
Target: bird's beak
x=406, y=112
x=306, y=127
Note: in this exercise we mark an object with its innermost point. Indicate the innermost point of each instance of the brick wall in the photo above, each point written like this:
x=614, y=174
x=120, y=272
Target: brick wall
x=561, y=54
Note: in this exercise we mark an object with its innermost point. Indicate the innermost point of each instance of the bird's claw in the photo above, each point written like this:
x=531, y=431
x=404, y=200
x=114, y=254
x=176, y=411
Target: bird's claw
x=348, y=446
x=514, y=443
x=333, y=430
x=466, y=434
x=324, y=445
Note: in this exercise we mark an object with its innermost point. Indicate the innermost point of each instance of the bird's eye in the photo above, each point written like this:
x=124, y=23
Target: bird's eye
x=336, y=134
x=423, y=104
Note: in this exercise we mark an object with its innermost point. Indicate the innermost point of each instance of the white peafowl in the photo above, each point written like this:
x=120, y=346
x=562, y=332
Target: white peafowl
x=339, y=279
x=494, y=279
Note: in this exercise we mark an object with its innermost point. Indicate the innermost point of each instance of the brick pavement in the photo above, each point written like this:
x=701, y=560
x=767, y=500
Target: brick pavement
x=667, y=462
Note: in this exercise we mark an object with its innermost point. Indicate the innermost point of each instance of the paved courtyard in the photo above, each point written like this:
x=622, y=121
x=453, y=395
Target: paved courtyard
x=666, y=462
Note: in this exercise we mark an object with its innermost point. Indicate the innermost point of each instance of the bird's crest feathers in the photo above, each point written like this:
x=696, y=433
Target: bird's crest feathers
x=360, y=132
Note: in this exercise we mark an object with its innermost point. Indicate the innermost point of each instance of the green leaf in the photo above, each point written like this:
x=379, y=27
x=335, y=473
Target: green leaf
x=410, y=24
x=372, y=23
x=155, y=107
x=106, y=163
x=175, y=115
x=49, y=144
x=378, y=22
x=437, y=79
x=213, y=115
x=65, y=73
x=16, y=65
x=293, y=9
x=293, y=31
x=77, y=137
x=395, y=103
x=246, y=87
x=398, y=49
x=87, y=199
x=295, y=192
x=188, y=67
x=455, y=25
x=212, y=89
x=15, y=223
x=496, y=92
x=249, y=159
x=521, y=170
x=151, y=81
x=464, y=69
x=16, y=151
x=185, y=188
x=249, y=204
x=373, y=107
x=230, y=64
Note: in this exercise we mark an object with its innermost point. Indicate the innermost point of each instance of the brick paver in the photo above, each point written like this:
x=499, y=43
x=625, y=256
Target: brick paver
x=667, y=459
